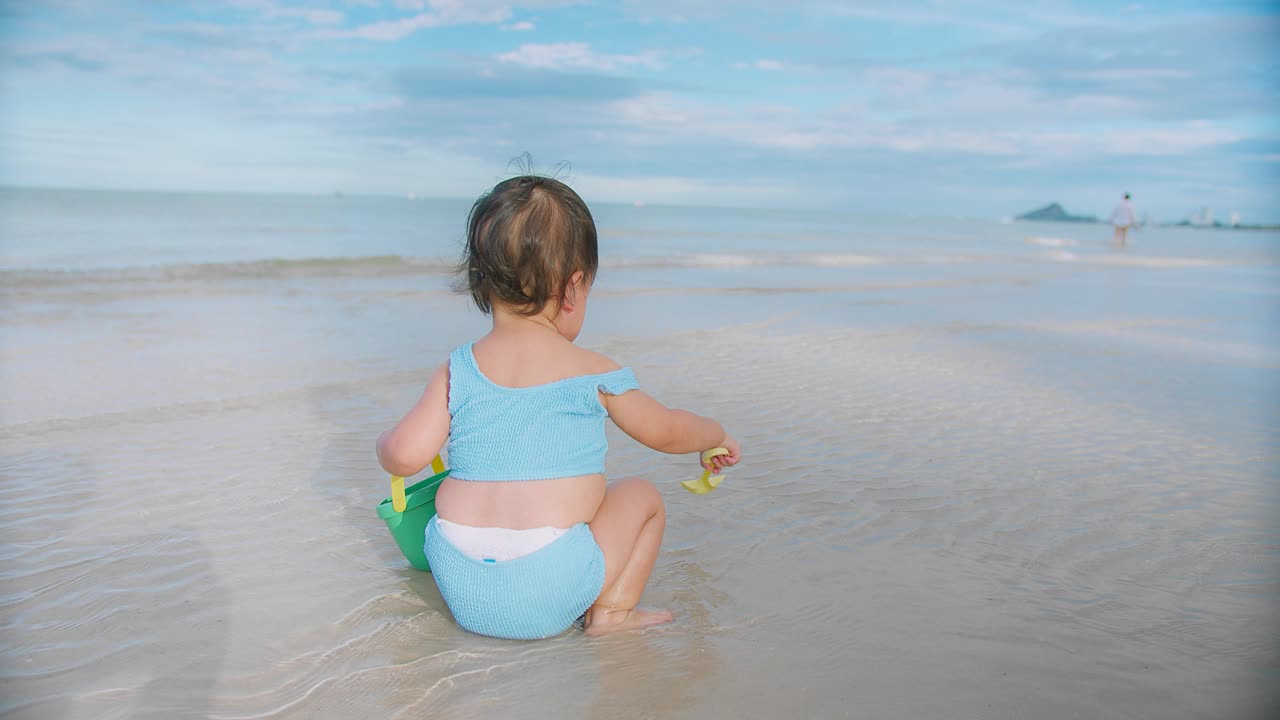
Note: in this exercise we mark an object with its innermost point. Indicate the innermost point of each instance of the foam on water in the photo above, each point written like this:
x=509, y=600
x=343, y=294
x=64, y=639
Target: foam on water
x=1052, y=242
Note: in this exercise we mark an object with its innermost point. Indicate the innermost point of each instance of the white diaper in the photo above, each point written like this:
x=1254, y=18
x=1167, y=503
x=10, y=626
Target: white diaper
x=497, y=544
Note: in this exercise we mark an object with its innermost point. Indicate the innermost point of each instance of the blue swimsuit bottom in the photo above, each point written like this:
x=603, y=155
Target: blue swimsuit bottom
x=536, y=596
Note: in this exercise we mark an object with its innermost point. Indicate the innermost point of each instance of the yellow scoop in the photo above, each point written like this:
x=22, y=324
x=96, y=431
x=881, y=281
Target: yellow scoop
x=707, y=482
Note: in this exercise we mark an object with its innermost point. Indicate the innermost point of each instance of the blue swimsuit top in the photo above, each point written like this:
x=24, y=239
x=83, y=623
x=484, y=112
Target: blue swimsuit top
x=553, y=430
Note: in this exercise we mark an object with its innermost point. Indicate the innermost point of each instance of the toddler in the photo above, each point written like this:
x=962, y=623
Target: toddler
x=528, y=537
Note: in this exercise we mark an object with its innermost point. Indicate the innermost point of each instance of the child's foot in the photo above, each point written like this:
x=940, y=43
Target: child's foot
x=603, y=622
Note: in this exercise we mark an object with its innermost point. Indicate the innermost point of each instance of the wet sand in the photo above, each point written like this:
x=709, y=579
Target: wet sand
x=1027, y=489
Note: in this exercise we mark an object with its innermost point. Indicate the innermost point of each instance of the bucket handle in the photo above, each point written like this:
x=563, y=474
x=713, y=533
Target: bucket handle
x=398, y=501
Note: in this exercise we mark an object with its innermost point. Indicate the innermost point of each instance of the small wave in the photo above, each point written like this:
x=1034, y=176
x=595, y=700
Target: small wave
x=392, y=265
x=35, y=279
x=288, y=230
x=272, y=268
x=1157, y=262
x=1136, y=261
x=379, y=265
x=1052, y=242
x=948, y=259
x=732, y=260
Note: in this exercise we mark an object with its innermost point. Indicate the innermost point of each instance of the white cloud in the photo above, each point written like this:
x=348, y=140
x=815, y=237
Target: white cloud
x=762, y=64
x=1096, y=104
x=272, y=10
x=677, y=190
x=1132, y=74
x=521, y=26
x=1007, y=17
x=1163, y=141
x=313, y=16
x=576, y=56
x=389, y=30
x=659, y=118
x=440, y=13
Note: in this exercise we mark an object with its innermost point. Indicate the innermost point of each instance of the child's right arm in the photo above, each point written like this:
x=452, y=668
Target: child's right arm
x=668, y=430
x=410, y=446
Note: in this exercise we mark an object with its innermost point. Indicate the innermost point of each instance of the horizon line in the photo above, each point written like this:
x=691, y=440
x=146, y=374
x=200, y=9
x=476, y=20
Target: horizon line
x=414, y=197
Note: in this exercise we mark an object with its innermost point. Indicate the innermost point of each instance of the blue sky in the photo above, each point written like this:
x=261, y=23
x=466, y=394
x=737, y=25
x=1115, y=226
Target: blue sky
x=940, y=108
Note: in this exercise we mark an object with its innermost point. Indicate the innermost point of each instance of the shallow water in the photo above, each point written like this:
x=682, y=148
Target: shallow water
x=997, y=482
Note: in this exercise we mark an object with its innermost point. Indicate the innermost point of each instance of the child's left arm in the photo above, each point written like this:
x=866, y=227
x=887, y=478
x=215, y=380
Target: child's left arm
x=414, y=442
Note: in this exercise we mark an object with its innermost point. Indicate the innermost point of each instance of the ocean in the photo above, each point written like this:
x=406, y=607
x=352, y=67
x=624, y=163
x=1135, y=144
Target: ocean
x=990, y=469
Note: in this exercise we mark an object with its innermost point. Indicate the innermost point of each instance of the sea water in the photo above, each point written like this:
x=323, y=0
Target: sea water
x=990, y=468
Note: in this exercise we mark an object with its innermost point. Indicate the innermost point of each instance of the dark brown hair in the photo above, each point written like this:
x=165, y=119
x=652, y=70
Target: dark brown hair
x=525, y=238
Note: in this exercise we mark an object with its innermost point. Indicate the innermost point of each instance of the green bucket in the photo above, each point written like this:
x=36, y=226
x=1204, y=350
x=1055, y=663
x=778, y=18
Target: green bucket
x=409, y=528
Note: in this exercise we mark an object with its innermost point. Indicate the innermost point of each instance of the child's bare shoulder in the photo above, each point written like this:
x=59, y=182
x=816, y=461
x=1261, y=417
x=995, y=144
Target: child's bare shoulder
x=594, y=363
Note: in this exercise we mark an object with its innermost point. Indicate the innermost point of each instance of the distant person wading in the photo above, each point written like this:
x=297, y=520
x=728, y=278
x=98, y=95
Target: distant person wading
x=1122, y=218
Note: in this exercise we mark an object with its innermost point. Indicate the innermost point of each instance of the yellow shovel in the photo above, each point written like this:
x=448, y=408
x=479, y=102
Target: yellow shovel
x=707, y=482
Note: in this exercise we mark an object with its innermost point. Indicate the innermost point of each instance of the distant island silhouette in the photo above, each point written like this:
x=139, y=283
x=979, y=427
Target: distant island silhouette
x=1053, y=212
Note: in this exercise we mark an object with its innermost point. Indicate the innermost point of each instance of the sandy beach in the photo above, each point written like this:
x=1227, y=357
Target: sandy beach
x=991, y=470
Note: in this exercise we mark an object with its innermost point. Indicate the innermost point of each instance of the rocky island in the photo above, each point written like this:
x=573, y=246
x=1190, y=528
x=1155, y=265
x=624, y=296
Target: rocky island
x=1053, y=212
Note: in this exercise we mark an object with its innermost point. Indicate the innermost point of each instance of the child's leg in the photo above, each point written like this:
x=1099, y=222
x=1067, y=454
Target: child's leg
x=628, y=528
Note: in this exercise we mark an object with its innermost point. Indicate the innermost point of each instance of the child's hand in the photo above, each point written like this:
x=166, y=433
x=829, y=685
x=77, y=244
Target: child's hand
x=720, y=462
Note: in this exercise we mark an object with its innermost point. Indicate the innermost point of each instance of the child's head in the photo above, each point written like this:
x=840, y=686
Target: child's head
x=527, y=239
